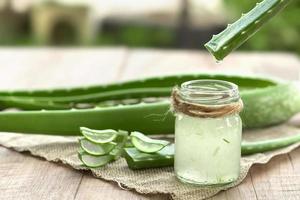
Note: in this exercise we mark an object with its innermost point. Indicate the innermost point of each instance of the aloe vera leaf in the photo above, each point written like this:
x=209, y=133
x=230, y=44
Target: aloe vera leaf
x=153, y=82
x=143, y=117
x=270, y=106
x=121, y=140
x=31, y=104
x=262, y=107
x=95, y=155
x=96, y=149
x=138, y=160
x=143, y=87
x=240, y=31
x=99, y=136
x=95, y=161
x=268, y=145
x=146, y=144
x=102, y=96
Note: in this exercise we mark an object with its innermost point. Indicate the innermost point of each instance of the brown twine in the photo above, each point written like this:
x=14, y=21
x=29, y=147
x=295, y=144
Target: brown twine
x=201, y=110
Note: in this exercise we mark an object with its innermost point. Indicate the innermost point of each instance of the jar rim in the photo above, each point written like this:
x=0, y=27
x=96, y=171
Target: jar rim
x=209, y=92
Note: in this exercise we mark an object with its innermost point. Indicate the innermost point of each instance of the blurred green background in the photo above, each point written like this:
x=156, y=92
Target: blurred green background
x=180, y=24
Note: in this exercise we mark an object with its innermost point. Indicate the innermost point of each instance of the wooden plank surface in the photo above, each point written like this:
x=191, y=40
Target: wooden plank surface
x=109, y=191
x=26, y=177
x=57, y=67
x=151, y=62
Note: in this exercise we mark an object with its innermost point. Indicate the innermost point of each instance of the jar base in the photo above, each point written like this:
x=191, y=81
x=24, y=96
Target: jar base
x=204, y=183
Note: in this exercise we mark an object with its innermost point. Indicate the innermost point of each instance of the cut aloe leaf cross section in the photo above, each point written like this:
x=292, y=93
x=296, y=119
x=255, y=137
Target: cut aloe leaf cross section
x=121, y=142
x=99, y=136
x=146, y=144
x=138, y=160
x=95, y=161
x=96, y=149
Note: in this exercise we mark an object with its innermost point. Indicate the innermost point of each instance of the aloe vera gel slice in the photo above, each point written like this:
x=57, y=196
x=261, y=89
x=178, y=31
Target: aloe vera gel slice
x=100, y=147
x=139, y=160
x=99, y=136
x=146, y=144
x=96, y=149
x=95, y=161
x=121, y=140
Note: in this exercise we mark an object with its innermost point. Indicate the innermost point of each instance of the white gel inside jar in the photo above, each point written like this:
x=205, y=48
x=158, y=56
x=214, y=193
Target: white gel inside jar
x=208, y=150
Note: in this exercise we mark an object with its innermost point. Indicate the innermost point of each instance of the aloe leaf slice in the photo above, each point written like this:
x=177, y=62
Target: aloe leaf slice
x=99, y=136
x=95, y=161
x=94, y=148
x=121, y=140
x=80, y=150
x=138, y=160
x=146, y=144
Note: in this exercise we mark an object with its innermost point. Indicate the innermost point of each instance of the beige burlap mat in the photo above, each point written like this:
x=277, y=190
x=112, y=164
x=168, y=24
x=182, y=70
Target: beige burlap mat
x=162, y=180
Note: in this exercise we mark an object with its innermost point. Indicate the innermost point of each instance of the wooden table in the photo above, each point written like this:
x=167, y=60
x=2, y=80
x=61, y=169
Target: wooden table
x=25, y=177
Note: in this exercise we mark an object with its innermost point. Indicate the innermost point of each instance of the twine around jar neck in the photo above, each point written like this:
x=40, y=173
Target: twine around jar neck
x=179, y=105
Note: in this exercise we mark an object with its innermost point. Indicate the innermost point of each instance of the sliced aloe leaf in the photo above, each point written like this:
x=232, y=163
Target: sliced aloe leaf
x=121, y=139
x=80, y=151
x=99, y=136
x=96, y=149
x=95, y=161
x=146, y=144
x=138, y=160
x=128, y=144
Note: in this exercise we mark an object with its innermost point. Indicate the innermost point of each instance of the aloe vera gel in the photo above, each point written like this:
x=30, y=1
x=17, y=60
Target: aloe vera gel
x=207, y=132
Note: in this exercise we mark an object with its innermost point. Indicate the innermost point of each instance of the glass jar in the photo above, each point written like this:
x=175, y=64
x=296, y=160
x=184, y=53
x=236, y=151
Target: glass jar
x=208, y=132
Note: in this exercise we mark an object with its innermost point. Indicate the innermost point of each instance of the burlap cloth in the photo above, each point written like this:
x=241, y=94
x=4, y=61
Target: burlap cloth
x=161, y=180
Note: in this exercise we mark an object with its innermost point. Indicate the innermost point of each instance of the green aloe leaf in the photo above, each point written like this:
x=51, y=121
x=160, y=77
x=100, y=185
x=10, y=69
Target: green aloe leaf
x=240, y=31
x=96, y=149
x=146, y=144
x=95, y=161
x=99, y=136
x=121, y=140
x=139, y=160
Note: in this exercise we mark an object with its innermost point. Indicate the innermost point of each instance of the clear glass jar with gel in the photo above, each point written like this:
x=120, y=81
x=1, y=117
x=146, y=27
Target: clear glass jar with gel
x=208, y=132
